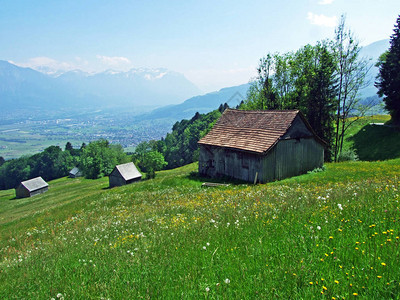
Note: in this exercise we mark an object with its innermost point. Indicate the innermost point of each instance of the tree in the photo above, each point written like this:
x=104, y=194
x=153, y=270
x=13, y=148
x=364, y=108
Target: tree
x=71, y=150
x=13, y=172
x=152, y=161
x=261, y=94
x=99, y=158
x=51, y=163
x=388, y=80
x=350, y=72
x=180, y=146
x=2, y=161
x=303, y=80
x=68, y=147
x=319, y=91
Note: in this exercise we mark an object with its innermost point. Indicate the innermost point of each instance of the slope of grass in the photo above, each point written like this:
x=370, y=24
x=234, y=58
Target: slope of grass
x=331, y=234
x=373, y=142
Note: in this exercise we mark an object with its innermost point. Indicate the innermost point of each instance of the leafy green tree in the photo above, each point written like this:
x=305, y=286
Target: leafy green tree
x=388, y=83
x=320, y=103
x=302, y=80
x=99, y=158
x=51, y=163
x=2, y=161
x=180, y=146
x=13, y=172
x=152, y=161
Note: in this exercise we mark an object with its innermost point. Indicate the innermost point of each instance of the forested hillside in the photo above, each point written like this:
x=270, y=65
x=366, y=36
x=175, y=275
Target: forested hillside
x=179, y=147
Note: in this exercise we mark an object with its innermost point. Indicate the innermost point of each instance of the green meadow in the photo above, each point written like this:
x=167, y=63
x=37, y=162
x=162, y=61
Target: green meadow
x=328, y=234
x=331, y=234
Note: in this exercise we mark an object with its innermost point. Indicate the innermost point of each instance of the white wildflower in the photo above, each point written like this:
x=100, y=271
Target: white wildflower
x=227, y=281
x=207, y=289
x=340, y=206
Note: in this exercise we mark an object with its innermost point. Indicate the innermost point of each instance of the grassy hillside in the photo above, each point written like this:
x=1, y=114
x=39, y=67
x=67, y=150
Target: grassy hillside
x=334, y=233
x=373, y=142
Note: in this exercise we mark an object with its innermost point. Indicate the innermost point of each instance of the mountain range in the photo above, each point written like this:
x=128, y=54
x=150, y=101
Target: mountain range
x=28, y=88
x=233, y=95
x=25, y=88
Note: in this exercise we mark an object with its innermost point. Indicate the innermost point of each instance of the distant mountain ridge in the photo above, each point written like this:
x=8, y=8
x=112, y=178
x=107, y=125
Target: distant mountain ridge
x=202, y=104
x=373, y=51
x=28, y=88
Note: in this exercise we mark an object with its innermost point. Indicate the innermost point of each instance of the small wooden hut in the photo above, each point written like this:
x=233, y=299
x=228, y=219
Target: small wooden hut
x=124, y=174
x=260, y=146
x=75, y=172
x=31, y=187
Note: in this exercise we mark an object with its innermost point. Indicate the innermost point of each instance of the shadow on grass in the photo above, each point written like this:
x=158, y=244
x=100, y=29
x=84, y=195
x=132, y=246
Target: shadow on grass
x=377, y=142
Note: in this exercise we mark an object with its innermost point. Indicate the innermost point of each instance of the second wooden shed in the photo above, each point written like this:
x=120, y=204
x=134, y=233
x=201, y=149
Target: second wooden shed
x=124, y=174
x=31, y=187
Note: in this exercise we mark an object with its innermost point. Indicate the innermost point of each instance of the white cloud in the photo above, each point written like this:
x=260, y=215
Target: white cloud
x=325, y=2
x=114, y=61
x=322, y=20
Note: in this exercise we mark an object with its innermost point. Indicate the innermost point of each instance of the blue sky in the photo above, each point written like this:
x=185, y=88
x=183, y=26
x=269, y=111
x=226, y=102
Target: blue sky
x=213, y=43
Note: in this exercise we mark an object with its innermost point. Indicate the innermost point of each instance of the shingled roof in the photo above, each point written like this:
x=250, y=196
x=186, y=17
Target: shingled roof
x=254, y=131
x=34, y=184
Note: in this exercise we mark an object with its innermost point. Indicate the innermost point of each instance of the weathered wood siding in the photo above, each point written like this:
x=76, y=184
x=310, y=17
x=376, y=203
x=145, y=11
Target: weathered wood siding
x=22, y=192
x=217, y=162
x=291, y=158
x=115, y=179
x=287, y=158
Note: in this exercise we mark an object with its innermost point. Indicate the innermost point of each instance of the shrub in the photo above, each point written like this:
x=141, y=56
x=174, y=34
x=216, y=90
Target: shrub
x=348, y=155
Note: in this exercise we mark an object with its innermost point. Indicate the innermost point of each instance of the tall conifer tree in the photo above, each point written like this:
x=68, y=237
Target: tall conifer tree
x=388, y=83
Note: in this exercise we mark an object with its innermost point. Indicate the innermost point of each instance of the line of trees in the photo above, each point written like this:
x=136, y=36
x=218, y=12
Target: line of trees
x=95, y=160
x=322, y=81
x=98, y=158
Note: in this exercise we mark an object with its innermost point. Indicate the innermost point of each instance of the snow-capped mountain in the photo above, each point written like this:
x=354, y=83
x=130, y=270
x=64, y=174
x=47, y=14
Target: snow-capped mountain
x=25, y=87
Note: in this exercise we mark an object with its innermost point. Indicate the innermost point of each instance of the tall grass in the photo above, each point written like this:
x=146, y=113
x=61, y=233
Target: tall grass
x=332, y=234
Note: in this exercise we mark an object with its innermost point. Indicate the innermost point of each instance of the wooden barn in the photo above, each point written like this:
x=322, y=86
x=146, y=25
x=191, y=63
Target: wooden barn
x=75, y=172
x=124, y=174
x=260, y=146
x=31, y=187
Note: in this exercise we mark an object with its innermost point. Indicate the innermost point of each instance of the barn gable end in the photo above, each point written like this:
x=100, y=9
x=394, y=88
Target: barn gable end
x=262, y=145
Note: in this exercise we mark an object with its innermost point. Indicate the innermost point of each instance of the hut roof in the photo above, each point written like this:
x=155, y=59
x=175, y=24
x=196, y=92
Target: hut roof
x=74, y=171
x=253, y=131
x=34, y=184
x=128, y=171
